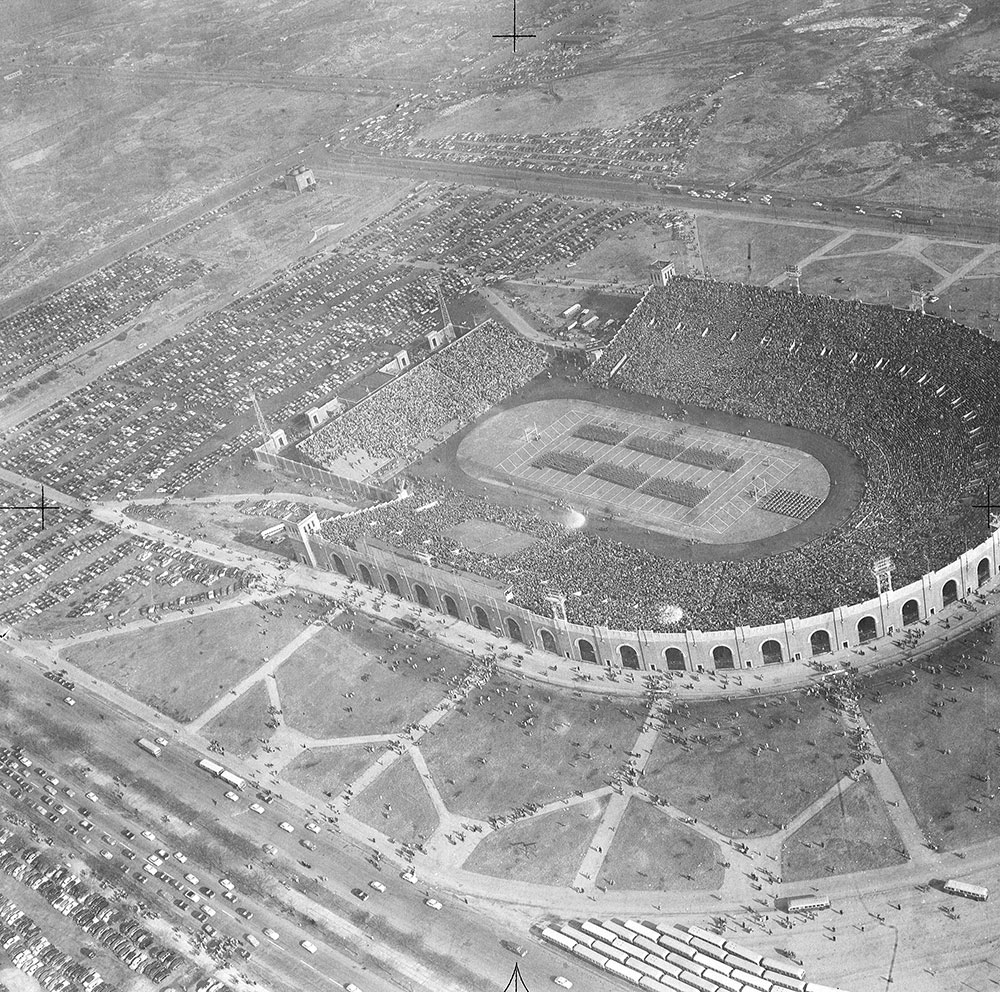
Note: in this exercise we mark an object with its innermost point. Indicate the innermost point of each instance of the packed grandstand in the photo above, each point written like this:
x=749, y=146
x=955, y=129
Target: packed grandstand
x=451, y=387
x=913, y=397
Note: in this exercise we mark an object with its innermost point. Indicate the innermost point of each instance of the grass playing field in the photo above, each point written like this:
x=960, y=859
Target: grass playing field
x=508, y=445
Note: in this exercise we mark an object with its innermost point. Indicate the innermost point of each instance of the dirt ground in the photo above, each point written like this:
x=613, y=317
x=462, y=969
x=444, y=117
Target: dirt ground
x=651, y=850
x=546, y=850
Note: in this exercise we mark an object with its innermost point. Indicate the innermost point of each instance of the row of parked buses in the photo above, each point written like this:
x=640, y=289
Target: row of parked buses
x=670, y=959
x=213, y=768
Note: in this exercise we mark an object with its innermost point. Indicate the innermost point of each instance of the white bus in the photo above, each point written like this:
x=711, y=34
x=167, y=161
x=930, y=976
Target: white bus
x=967, y=889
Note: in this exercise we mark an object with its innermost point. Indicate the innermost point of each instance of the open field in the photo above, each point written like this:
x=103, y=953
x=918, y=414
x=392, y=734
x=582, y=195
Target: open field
x=511, y=743
x=879, y=278
x=325, y=771
x=373, y=681
x=546, y=850
x=183, y=666
x=852, y=833
x=625, y=257
x=711, y=761
x=724, y=242
x=937, y=735
x=397, y=804
x=974, y=302
x=863, y=243
x=651, y=850
x=949, y=256
x=240, y=726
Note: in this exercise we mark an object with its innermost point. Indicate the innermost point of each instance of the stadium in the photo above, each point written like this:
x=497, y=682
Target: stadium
x=744, y=477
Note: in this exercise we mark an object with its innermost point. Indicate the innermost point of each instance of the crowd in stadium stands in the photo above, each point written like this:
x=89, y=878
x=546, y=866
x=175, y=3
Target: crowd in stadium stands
x=912, y=396
x=453, y=386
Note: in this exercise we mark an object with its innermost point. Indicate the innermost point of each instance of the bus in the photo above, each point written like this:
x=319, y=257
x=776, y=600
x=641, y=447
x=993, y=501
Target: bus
x=149, y=747
x=209, y=766
x=967, y=889
x=803, y=904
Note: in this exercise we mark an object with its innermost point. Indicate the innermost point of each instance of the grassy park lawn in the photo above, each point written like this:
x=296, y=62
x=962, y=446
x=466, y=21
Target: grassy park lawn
x=397, y=804
x=546, y=850
x=326, y=770
x=940, y=761
x=183, y=665
x=239, y=727
x=394, y=680
x=512, y=743
x=652, y=850
x=710, y=760
x=852, y=833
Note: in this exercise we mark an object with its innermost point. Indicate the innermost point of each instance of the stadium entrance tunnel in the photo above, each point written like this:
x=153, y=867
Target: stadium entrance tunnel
x=481, y=618
x=338, y=564
x=366, y=575
x=392, y=584
x=771, y=652
x=867, y=629
x=722, y=657
x=451, y=607
x=674, y=658
x=629, y=658
x=548, y=641
x=587, y=652
x=949, y=593
x=911, y=612
x=514, y=630
x=819, y=641
x=421, y=594
x=983, y=571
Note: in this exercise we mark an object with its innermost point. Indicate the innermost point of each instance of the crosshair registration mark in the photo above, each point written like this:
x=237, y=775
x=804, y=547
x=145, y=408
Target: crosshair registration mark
x=41, y=506
x=514, y=34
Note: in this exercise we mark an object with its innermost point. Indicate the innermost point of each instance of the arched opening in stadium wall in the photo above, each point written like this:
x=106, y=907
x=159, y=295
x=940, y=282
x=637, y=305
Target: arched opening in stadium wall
x=867, y=629
x=674, y=658
x=771, y=652
x=481, y=617
x=586, y=649
x=421, y=594
x=820, y=642
x=983, y=571
x=514, y=630
x=392, y=584
x=628, y=656
x=451, y=607
x=722, y=657
x=366, y=575
x=949, y=593
x=548, y=641
x=338, y=564
x=911, y=612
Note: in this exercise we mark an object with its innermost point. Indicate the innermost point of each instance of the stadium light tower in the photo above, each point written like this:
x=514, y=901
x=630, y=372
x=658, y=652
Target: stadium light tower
x=446, y=323
x=794, y=273
x=265, y=431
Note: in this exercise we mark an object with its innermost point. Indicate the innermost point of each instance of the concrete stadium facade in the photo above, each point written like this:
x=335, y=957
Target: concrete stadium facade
x=484, y=603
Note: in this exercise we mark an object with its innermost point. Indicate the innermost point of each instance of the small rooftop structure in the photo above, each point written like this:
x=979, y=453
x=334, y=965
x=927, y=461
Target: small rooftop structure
x=299, y=179
x=661, y=272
